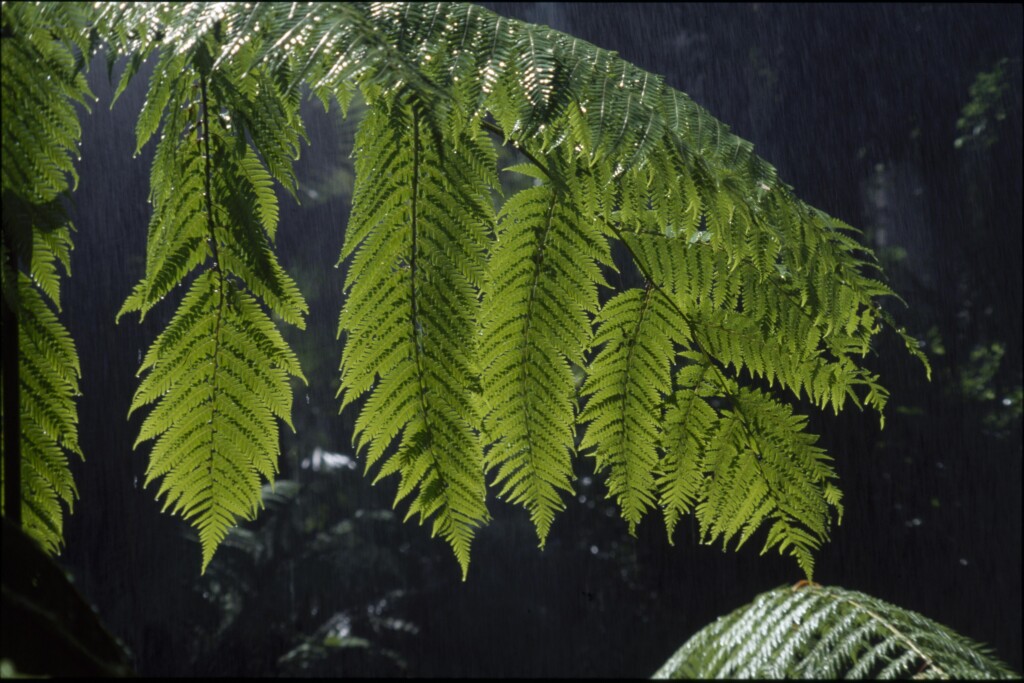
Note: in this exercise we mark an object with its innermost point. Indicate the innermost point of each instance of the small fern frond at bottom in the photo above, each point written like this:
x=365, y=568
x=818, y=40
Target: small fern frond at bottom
x=822, y=632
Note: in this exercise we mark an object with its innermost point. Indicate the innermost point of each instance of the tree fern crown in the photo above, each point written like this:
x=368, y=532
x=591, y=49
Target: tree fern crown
x=652, y=297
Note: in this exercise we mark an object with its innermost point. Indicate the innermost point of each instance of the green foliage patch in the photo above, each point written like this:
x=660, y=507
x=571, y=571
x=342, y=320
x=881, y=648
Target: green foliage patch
x=465, y=328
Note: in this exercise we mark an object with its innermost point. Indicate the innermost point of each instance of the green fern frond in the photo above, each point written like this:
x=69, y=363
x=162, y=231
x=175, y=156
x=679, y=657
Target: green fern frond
x=417, y=232
x=761, y=467
x=826, y=632
x=543, y=283
x=731, y=235
x=689, y=424
x=626, y=383
x=214, y=442
x=219, y=373
x=462, y=334
x=44, y=48
x=40, y=84
x=49, y=372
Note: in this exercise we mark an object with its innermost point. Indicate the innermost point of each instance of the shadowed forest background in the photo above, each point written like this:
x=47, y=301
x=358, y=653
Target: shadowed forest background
x=870, y=114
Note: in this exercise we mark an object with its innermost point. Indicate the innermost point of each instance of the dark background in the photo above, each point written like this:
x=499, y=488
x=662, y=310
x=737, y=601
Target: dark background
x=857, y=106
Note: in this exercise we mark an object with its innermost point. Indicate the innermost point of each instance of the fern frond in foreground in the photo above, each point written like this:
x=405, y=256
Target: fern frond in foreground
x=814, y=632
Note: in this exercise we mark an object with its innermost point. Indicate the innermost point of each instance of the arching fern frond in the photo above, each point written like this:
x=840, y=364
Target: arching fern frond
x=741, y=273
x=468, y=335
x=826, y=632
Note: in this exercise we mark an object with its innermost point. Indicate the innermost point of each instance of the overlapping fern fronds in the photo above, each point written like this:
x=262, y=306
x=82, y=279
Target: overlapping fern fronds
x=43, y=54
x=741, y=280
x=827, y=632
x=467, y=331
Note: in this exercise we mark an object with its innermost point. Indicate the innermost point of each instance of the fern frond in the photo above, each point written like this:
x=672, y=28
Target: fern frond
x=45, y=48
x=465, y=334
x=214, y=442
x=417, y=232
x=40, y=84
x=219, y=373
x=543, y=283
x=827, y=632
x=626, y=383
x=763, y=468
x=49, y=372
x=690, y=422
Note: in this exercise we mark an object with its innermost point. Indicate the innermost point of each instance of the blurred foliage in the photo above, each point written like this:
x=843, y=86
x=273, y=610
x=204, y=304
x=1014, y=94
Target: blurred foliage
x=980, y=382
x=987, y=107
x=315, y=587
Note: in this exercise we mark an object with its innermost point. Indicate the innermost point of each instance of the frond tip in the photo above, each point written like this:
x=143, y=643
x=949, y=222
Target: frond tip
x=820, y=632
x=214, y=443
